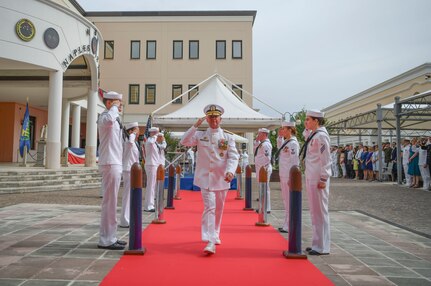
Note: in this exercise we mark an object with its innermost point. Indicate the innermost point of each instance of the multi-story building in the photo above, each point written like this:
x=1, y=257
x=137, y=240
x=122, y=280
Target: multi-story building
x=152, y=57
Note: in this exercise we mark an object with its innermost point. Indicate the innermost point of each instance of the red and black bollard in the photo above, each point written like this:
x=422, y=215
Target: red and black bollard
x=295, y=215
x=238, y=184
x=135, y=228
x=158, y=219
x=262, y=216
x=248, y=189
x=170, y=198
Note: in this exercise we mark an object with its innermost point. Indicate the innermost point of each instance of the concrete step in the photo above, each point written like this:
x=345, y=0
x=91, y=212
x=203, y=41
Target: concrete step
x=61, y=176
x=41, y=180
x=35, y=189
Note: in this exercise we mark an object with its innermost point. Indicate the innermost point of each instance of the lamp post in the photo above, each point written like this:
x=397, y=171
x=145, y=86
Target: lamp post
x=291, y=117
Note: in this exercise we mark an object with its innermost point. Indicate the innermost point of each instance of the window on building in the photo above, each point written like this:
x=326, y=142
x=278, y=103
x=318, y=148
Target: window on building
x=237, y=49
x=133, y=93
x=150, y=94
x=177, y=90
x=220, y=49
x=178, y=50
x=193, y=92
x=109, y=49
x=237, y=89
x=135, y=50
x=151, y=50
x=193, y=50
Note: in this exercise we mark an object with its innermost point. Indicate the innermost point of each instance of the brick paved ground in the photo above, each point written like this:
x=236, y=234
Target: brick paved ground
x=50, y=238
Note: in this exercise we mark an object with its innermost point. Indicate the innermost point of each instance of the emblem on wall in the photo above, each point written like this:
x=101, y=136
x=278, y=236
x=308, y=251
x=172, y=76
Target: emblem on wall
x=94, y=45
x=25, y=30
x=51, y=38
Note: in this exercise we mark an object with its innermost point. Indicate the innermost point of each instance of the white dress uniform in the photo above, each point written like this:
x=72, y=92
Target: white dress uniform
x=245, y=161
x=110, y=167
x=263, y=159
x=162, y=146
x=406, y=156
x=216, y=156
x=289, y=157
x=152, y=162
x=318, y=169
x=424, y=168
x=130, y=156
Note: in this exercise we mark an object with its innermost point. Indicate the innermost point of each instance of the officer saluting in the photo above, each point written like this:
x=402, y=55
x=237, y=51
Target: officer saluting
x=110, y=167
x=152, y=162
x=317, y=173
x=216, y=162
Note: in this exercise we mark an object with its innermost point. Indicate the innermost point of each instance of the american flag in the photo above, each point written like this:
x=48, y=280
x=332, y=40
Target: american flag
x=147, y=127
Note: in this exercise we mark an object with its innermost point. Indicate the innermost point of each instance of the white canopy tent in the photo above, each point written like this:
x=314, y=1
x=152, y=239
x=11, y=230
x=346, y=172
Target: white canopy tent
x=238, y=116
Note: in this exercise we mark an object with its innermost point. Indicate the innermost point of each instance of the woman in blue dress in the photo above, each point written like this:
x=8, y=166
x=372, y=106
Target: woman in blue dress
x=414, y=169
x=369, y=165
x=363, y=160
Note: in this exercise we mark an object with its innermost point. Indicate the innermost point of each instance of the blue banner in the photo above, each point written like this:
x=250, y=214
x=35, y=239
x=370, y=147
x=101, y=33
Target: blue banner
x=24, y=139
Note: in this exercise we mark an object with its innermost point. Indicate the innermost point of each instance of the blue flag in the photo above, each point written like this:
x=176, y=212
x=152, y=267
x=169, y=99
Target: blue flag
x=24, y=139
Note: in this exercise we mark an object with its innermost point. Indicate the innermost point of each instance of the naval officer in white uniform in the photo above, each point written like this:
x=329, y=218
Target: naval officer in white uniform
x=288, y=153
x=262, y=158
x=130, y=156
x=161, y=142
x=317, y=176
x=152, y=162
x=216, y=162
x=110, y=167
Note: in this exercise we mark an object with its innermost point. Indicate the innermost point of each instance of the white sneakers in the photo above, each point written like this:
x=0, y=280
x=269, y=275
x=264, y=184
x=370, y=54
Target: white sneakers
x=210, y=248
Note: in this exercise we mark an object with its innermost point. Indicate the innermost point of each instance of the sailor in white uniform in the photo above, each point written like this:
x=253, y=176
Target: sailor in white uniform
x=262, y=158
x=288, y=152
x=130, y=156
x=110, y=167
x=244, y=157
x=317, y=176
x=216, y=162
x=152, y=162
x=161, y=142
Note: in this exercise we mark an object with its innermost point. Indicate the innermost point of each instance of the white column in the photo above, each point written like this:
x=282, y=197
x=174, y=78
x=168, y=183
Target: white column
x=53, y=144
x=91, y=135
x=250, y=151
x=76, y=125
x=65, y=125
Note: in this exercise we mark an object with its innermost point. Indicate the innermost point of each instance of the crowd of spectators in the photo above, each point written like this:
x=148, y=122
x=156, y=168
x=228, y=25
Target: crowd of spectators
x=362, y=162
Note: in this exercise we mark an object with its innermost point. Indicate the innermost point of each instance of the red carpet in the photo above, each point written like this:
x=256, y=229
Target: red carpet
x=248, y=255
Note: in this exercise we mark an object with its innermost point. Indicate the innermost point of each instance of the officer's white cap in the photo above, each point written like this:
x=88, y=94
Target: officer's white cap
x=131, y=125
x=288, y=124
x=213, y=109
x=154, y=129
x=263, y=130
x=315, y=113
x=113, y=95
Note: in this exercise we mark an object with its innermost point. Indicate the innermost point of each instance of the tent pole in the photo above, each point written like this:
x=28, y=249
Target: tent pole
x=397, y=112
x=181, y=95
x=379, y=139
x=246, y=92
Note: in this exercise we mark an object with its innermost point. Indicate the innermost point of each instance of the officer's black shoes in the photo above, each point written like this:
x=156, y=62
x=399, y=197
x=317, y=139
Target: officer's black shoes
x=115, y=246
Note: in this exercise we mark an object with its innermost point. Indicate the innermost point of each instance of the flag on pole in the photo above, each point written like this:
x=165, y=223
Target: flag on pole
x=147, y=127
x=24, y=139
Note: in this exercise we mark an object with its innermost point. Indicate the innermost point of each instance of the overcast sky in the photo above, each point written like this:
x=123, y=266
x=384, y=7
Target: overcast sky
x=314, y=53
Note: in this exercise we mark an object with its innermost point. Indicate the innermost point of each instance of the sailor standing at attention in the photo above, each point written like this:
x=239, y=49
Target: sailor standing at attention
x=152, y=162
x=262, y=158
x=317, y=175
x=216, y=162
x=161, y=143
x=130, y=156
x=110, y=167
x=288, y=152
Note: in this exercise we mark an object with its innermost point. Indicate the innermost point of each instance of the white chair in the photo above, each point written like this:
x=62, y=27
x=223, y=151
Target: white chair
x=387, y=172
